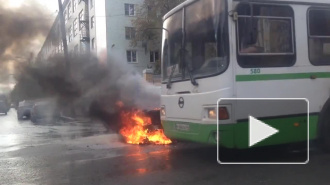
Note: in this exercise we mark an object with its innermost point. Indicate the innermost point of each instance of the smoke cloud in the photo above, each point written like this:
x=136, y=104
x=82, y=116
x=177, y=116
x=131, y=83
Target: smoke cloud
x=22, y=28
x=99, y=90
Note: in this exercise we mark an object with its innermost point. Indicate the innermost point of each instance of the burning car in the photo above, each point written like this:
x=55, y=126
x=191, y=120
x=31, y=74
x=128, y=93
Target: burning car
x=137, y=128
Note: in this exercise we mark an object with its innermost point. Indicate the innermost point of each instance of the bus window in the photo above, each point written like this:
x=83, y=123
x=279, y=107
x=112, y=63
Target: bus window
x=200, y=47
x=319, y=36
x=173, y=47
x=265, y=36
x=205, y=38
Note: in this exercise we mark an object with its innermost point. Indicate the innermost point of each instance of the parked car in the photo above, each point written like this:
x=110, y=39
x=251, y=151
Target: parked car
x=45, y=110
x=4, y=108
x=24, y=109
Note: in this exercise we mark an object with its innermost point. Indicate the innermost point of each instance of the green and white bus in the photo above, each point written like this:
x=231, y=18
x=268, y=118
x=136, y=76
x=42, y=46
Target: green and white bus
x=214, y=49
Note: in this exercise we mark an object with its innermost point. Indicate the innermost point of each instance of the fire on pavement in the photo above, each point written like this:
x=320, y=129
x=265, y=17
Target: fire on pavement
x=137, y=128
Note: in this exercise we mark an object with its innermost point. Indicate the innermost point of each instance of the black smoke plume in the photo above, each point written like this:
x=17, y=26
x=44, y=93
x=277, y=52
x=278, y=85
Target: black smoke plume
x=99, y=90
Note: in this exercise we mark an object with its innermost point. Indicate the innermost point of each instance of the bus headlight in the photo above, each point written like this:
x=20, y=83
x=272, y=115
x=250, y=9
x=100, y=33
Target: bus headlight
x=222, y=113
x=162, y=111
x=212, y=113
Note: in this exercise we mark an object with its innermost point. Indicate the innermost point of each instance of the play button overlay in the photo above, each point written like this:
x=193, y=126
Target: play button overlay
x=263, y=131
x=259, y=131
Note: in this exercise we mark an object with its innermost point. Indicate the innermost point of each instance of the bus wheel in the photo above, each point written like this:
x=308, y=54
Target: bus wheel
x=324, y=128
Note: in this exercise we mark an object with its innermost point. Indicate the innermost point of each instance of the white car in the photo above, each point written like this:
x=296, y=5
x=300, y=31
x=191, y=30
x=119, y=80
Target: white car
x=24, y=109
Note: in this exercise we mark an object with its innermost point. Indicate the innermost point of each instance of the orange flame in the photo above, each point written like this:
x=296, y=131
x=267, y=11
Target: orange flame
x=135, y=129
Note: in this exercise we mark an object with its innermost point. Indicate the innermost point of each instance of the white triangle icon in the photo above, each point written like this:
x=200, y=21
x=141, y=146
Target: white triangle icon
x=258, y=131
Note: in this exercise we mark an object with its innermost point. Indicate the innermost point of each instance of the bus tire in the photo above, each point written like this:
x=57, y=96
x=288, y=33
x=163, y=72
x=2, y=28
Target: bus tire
x=324, y=127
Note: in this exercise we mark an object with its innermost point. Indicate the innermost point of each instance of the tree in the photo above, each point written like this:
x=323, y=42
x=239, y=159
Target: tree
x=148, y=25
x=148, y=22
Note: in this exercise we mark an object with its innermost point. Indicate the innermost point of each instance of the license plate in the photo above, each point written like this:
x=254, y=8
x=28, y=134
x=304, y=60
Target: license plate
x=182, y=127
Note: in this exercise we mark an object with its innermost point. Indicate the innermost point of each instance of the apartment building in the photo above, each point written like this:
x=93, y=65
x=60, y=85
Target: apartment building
x=102, y=27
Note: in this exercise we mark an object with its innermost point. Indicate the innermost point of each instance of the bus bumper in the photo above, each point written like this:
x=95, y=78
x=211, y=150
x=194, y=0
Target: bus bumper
x=236, y=135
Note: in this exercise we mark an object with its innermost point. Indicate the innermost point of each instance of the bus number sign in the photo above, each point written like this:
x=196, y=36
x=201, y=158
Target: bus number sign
x=255, y=71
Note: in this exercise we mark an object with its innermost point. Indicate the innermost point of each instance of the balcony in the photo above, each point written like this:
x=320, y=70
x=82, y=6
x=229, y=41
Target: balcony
x=84, y=35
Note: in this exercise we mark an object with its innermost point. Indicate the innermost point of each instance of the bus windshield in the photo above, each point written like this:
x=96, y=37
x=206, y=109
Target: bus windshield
x=195, y=41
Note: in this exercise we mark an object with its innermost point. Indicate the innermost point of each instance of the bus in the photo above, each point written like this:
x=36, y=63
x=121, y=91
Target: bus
x=213, y=49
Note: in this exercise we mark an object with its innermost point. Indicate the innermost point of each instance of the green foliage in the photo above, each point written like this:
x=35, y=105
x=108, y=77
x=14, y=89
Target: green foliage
x=148, y=21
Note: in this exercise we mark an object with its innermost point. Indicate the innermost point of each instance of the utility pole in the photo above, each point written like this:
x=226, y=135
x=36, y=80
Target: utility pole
x=63, y=33
x=65, y=48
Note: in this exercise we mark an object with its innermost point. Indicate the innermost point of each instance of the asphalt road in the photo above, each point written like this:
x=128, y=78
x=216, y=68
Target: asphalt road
x=84, y=153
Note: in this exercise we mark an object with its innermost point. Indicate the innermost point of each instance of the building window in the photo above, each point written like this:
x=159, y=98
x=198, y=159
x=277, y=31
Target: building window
x=265, y=36
x=70, y=33
x=69, y=10
x=65, y=15
x=129, y=33
x=93, y=44
x=129, y=9
x=91, y=3
x=131, y=56
x=81, y=18
x=81, y=15
x=319, y=36
x=92, y=22
x=74, y=2
x=154, y=56
x=75, y=27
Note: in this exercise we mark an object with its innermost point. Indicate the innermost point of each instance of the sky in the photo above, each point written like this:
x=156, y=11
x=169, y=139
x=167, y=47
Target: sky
x=52, y=5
